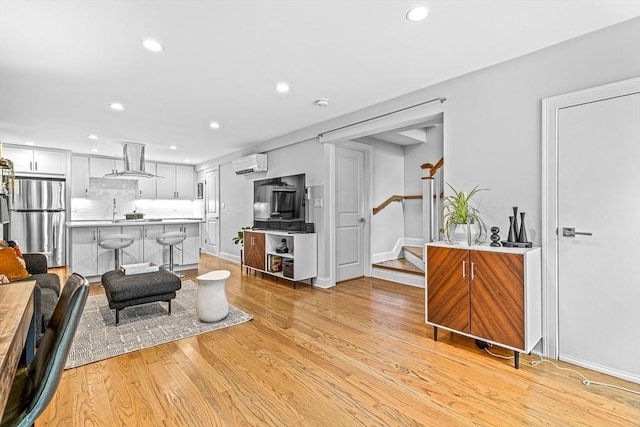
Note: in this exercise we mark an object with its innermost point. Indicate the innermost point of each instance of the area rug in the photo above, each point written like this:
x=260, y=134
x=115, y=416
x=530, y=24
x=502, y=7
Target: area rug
x=142, y=326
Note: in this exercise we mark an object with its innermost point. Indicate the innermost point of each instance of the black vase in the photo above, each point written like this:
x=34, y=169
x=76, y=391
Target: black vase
x=515, y=225
x=511, y=237
x=522, y=236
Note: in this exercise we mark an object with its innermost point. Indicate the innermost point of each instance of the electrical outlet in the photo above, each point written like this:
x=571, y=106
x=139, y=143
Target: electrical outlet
x=318, y=203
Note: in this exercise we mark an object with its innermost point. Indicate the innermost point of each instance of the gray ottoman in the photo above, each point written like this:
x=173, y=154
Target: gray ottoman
x=125, y=291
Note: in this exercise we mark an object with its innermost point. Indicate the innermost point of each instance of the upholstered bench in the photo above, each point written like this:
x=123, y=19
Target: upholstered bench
x=125, y=291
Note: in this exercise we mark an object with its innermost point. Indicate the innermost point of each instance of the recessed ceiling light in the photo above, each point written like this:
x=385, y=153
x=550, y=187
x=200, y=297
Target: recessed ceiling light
x=173, y=147
x=92, y=136
x=116, y=106
x=282, y=87
x=94, y=150
x=187, y=160
x=29, y=143
x=214, y=125
x=417, y=13
x=152, y=45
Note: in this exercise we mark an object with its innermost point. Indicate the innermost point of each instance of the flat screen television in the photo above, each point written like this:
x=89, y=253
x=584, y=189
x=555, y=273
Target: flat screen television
x=279, y=203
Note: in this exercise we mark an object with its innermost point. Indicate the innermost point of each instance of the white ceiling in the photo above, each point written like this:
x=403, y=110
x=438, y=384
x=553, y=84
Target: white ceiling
x=63, y=62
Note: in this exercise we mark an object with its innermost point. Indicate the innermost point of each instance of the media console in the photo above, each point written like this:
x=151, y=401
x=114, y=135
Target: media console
x=300, y=261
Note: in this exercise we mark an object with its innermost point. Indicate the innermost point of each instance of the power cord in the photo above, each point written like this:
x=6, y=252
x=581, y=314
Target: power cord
x=585, y=381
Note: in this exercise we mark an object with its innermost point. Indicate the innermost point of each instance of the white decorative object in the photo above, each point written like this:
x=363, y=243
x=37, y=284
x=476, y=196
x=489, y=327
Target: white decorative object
x=143, y=267
x=211, y=300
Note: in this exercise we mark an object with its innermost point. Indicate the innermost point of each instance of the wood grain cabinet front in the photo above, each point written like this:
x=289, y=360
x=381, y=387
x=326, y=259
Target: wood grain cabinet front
x=491, y=294
x=254, y=255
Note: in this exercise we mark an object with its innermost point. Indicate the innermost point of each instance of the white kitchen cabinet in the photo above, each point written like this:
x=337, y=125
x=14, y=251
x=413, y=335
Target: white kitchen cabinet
x=178, y=183
x=37, y=160
x=147, y=186
x=187, y=252
x=135, y=253
x=79, y=176
x=106, y=258
x=101, y=166
x=84, y=250
x=153, y=251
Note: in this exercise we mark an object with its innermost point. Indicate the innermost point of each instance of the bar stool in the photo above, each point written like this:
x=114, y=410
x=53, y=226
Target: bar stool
x=117, y=242
x=171, y=238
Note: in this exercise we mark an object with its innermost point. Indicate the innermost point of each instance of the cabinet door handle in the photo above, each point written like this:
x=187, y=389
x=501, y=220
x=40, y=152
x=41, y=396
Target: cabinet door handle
x=94, y=235
x=99, y=234
x=473, y=273
x=464, y=269
x=30, y=166
x=36, y=165
x=145, y=233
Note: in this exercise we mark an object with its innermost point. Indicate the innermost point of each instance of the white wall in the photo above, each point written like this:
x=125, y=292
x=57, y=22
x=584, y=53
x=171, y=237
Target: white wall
x=492, y=127
x=236, y=192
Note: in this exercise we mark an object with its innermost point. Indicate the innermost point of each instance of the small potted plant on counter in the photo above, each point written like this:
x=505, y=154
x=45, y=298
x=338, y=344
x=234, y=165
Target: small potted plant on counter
x=461, y=220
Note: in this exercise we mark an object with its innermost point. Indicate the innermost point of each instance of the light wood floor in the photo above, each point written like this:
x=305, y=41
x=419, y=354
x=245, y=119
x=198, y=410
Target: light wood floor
x=355, y=355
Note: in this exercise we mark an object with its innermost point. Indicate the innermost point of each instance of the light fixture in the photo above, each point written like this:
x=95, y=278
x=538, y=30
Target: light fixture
x=116, y=106
x=214, y=125
x=417, y=13
x=282, y=87
x=29, y=143
x=173, y=147
x=152, y=45
x=94, y=150
x=92, y=136
x=322, y=102
x=187, y=160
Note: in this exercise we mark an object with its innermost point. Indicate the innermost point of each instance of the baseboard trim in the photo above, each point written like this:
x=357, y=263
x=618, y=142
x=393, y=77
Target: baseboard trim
x=399, y=277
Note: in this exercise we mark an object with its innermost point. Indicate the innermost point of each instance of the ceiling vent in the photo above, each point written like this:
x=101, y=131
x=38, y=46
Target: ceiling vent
x=250, y=164
x=133, y=160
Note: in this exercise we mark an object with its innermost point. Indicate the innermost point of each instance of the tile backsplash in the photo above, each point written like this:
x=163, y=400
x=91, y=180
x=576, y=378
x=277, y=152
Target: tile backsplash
x=98, y=205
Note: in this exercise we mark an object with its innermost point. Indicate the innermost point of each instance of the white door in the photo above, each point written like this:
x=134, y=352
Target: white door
x=211, y=212
x=599, y=272
x=350, y=215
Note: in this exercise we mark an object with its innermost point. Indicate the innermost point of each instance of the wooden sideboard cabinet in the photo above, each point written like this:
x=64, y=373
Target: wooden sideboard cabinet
x=254, y=255
x=493, y=294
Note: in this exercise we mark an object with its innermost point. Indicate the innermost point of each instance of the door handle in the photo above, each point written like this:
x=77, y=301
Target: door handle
x=362, y=220
x=571, y=232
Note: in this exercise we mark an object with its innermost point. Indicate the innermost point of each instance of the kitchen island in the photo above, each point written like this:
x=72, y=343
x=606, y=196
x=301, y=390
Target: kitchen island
x=89, y=259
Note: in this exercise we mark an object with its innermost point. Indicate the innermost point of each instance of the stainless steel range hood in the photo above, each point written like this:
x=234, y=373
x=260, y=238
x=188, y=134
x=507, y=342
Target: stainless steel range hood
x=134, y=159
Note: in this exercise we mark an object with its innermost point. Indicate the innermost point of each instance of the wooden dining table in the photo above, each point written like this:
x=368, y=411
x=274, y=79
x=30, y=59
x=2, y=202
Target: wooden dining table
x=17, y=332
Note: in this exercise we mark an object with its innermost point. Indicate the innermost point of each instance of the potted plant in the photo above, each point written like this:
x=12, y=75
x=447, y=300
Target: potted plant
x=239, y=239
x=461, y=220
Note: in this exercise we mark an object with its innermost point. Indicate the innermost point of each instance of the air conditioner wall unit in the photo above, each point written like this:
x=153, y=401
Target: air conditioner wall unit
x=250, y=164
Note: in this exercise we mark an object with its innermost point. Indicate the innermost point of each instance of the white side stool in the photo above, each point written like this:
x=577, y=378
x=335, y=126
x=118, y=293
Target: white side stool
x=211, y=299
x=171, y=239
x=117, y=242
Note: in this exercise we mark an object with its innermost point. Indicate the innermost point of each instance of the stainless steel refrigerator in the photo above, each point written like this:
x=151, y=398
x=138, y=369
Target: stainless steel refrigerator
x=38, y=216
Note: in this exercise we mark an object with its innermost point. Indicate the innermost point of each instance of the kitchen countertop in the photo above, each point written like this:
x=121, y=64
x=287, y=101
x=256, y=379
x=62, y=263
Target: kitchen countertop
x=128, y=222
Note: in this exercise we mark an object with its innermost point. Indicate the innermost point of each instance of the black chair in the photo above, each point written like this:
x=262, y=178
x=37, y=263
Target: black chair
x=33, y=387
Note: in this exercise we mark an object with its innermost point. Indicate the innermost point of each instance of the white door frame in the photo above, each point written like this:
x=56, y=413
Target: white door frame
x=550, y=109
x=330, y=152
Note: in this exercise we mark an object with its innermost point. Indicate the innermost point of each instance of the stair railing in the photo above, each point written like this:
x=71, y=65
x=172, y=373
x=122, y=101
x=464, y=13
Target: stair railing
x=433, y=190
x=394, y=198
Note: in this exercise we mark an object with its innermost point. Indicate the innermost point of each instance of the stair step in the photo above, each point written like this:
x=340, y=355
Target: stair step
x=417, y=251
x=400, y=264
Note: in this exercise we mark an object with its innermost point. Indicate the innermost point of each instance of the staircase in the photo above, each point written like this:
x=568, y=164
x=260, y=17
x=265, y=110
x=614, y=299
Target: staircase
x=408, y=268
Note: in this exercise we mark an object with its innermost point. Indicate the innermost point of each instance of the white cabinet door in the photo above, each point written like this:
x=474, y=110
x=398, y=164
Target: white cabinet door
x=53, y=162
x=191, y=246
x=106, y=257
x=166, y=188
x=100, y=166
x=22, y=158
x=79, y=176
x=135, y=253
x=185, y=182
x=147, y=186
x=84, y=244
x=178, y=183
x=37, y=161
x=153, y=251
